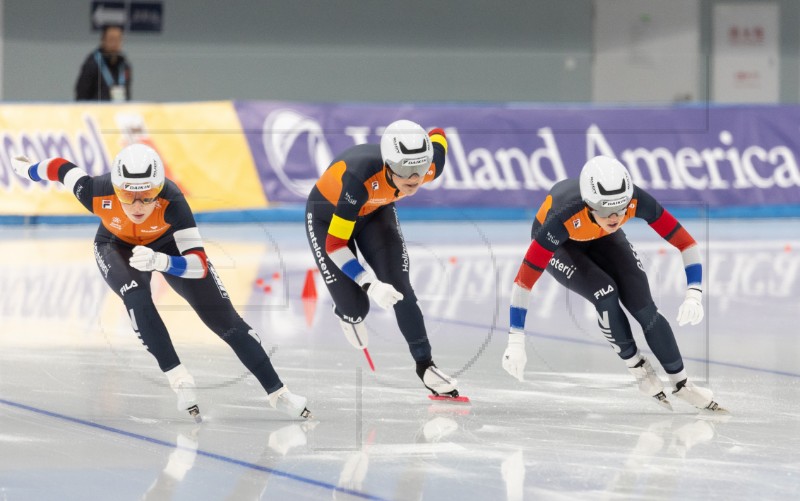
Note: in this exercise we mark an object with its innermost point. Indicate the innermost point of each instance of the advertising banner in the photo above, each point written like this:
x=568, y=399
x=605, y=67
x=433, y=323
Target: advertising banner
x=201, y=144
x=510, y=156
x=253, y=155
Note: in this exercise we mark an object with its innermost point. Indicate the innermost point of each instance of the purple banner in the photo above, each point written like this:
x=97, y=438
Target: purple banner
x=510, y=156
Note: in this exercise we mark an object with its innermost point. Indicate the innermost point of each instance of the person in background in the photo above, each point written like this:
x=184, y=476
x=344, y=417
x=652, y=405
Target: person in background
x=106, y=73
x=146, y=225
x=577, y=237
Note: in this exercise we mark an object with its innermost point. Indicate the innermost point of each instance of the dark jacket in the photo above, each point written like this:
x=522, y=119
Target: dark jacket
x=92, y=84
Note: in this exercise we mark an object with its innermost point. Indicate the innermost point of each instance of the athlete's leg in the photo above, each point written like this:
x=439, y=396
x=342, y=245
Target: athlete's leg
x=618, y=258
x=209, y=299
x=133, y=287
x=572, y=267
x=382, y=244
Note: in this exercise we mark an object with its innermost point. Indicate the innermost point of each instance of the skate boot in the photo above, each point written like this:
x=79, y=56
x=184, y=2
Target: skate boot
x=702, y=398
x=356, y=334
x=649, y=382
x=182, y=383
x=289, y=403
x=437, y=381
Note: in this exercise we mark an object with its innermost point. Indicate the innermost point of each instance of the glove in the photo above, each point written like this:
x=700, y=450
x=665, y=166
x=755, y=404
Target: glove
x=691, y=311
x=146, y=259
x=384, y=294
x=514, y=358
x=20, y=164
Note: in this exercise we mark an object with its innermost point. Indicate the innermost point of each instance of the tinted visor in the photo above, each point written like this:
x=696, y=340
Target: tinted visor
x=147, y=193
x=408, y=168
x=609, y=211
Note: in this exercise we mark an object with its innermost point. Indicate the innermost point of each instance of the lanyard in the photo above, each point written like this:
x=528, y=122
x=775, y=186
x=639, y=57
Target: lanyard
x=107, y=73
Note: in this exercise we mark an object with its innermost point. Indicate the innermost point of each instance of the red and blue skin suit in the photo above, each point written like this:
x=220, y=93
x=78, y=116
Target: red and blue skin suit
x=604, y=268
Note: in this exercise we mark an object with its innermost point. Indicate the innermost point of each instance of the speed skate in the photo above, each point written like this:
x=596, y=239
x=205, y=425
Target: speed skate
x=442, y=386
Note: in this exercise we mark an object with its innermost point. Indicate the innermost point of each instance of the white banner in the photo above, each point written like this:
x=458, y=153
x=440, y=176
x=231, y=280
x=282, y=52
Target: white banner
x=746, y=53
x=646, y=51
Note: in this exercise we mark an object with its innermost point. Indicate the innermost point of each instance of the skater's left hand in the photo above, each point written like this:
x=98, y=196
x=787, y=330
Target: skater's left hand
x=146, y=259
x=691, y=311
x=515, y=358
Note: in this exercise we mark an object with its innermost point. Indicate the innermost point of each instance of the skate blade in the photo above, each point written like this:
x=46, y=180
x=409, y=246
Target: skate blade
x=369, y=359
x=194, y=411
x=661, y=399
x=306, y=414
x=445, y=398
x=714, y=413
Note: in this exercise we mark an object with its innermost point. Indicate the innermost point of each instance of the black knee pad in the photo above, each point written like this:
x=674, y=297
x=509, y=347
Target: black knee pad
x=660, y=338
x=649, y=318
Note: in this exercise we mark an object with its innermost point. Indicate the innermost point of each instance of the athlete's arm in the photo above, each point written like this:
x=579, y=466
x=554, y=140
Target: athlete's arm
x=542, y=247
x=439, y=142
x=353, y=196
x=665, y=224
x=538, y=255
x=192, y=261
x=61, y=170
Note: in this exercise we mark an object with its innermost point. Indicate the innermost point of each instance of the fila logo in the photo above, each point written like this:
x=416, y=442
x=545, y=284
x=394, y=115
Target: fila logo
x=106, y=204
x=375, y=185
x=576, y=223
x=125, y=288
x=603, y=291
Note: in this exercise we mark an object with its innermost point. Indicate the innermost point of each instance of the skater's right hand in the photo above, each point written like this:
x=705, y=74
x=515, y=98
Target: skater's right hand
x=146, y=259
x=383, y=294
x=20, y=165
x=514, y=358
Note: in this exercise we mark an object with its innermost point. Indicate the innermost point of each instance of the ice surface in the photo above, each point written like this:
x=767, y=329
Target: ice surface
x=85, y=413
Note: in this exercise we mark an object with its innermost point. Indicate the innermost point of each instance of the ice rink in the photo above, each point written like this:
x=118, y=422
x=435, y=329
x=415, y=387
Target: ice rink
x=85, y=413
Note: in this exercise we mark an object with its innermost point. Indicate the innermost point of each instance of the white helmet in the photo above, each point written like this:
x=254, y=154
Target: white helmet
x=606, y=186
x=137, y=172
x=406, y=148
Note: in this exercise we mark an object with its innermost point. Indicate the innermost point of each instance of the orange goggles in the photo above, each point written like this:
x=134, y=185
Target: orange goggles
x=146, y=193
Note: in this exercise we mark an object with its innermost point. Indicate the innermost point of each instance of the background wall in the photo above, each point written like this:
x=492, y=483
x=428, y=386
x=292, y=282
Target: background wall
x=346, y=50
x=317, y=50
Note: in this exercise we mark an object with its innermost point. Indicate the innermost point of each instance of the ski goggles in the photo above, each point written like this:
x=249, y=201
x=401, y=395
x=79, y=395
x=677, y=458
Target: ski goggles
x=146, y=193
x=607, y=212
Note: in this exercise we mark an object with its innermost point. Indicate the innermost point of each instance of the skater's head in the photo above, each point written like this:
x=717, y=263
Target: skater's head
x=407, y=153
x=607, y=190
x=138, y=177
